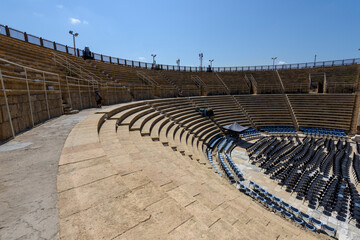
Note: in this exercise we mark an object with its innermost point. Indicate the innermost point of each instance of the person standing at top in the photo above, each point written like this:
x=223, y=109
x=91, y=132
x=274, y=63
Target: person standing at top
x=98, y=98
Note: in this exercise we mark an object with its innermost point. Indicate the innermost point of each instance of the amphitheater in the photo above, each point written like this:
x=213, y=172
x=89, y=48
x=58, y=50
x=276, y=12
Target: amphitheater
x=149, y=165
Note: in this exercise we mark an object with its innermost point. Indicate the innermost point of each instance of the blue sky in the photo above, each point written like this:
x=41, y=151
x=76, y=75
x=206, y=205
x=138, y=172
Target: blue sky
x=232, y=32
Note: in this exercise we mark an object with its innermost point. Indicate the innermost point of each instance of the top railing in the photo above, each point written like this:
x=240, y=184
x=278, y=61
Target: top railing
x=23, y=36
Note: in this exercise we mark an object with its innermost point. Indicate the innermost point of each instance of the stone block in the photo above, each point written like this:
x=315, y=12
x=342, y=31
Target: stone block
x=5, y=130
x=2, y=100
x=27, y=120
x=22, y=123
x=15, y=122
x=5, y=113
x=37, y=106
x=36, y=118
x=41, y=97
x=25, y=99
x=14, y=110
x=42, y=116
x=11, y=99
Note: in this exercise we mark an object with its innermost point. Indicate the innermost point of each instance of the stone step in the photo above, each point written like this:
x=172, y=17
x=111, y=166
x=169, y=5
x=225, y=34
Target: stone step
x=71, y=112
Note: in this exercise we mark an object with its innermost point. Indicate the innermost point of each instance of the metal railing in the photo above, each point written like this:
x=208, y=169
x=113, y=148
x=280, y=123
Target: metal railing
x=47, y=86
x=147, y=79
x=197, y=80
x=23, y=36
x=44, y=92
x=73, y=67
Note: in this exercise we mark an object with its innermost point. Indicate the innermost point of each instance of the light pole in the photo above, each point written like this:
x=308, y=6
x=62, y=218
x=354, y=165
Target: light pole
x=274, y=58
x=211, y=62
x=201, y=55
x=315, y=60
x=74, y=35
x=153, y=56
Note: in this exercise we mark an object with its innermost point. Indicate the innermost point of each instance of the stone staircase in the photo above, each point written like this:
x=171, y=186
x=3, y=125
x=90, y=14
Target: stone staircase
x=223, y=83
x=170, y=81
x=143, y=188
x=68, y=109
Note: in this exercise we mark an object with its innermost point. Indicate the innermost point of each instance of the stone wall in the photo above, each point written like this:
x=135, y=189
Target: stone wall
x=20, y=111
x=20, y=108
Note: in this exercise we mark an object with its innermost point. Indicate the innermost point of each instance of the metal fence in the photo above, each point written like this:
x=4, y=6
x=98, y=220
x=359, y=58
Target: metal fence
x=40, y=94
x=23, y=36
x=48, y=83
x=33, y=39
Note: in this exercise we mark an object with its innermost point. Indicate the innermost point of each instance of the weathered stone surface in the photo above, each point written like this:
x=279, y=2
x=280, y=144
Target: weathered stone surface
x=28, y=174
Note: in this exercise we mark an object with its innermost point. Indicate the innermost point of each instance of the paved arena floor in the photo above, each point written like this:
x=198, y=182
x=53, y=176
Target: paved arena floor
x=28, y=172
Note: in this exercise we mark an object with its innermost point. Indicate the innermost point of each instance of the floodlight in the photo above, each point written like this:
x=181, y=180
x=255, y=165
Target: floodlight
x=74, y=35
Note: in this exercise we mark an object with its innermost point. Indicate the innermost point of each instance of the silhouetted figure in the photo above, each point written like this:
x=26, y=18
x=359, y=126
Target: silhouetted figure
x=98, y=98
x=206, y=112
x=87, y=54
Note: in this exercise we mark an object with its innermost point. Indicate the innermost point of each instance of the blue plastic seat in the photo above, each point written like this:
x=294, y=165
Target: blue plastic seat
x=316, y=223
x=288, y=215
x=278, y=210
x=295, y=211
x=298, y=220
x=278, y=201
x=254, y=195
x=305, y=217
x=329, y=230
x=286, y=205
x=269, y=195
x=263, y=192
x=310, y=227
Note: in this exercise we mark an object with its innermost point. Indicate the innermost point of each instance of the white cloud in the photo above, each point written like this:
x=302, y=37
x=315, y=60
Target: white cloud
x=75, y=21
x=60, y=6
x=142, y=58
x=281, y=62
x=78, y=21
x=36, y=14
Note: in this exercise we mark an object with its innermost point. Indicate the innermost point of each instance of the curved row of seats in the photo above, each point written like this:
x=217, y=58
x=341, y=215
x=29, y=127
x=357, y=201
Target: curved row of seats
x=225, y=109
x=279, y=130
x=117, y=83
x=317, y=171
x=172, y=121
x=338, y=79
x=250, y=134
x=266, y=109
x=323, y=132
x=146, y=186
x=224, y=145
x=322, y=112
